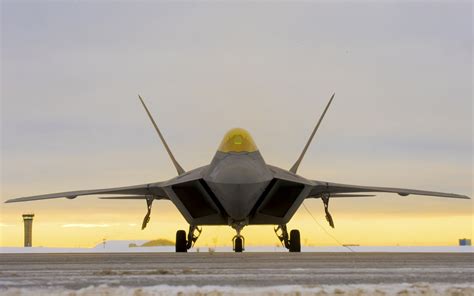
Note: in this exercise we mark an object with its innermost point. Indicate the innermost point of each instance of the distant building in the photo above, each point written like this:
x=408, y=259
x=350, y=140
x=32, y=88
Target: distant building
x=464, y=241
x=28, y=221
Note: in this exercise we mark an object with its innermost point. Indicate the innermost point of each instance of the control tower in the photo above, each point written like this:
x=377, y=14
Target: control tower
x=28, y=221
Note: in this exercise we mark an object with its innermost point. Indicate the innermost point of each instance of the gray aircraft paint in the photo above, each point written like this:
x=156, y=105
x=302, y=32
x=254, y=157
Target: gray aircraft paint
x=238, y=180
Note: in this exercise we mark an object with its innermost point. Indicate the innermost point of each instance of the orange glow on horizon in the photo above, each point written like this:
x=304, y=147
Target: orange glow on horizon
x=423, y=230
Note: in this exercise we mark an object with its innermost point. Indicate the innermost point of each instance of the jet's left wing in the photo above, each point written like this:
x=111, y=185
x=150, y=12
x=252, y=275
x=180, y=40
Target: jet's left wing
x=326, y=190
x=154, y=190
x=337, y=188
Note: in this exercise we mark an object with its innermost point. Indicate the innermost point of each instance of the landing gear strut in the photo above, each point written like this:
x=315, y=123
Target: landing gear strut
x=292, y=242
x=325, y=198
x=149, y=203
x=183, y=243
x=192, y=237
x=238, y=241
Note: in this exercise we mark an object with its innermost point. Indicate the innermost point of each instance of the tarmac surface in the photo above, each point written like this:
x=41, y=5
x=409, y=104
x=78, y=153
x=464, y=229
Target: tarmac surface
x=76, y=271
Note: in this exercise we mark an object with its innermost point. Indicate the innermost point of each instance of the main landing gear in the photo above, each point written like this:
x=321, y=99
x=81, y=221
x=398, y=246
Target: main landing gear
x=183, y=243
x=291, y=242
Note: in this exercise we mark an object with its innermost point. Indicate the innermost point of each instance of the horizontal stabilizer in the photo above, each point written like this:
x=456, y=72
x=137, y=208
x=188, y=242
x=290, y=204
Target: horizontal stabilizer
x=352, y=195
x=126, y=197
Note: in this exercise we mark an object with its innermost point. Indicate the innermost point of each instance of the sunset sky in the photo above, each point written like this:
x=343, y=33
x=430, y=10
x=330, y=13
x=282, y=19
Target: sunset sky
x=71, y=119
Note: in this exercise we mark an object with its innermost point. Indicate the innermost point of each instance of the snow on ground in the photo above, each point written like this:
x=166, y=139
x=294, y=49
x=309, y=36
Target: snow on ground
x=418, y=289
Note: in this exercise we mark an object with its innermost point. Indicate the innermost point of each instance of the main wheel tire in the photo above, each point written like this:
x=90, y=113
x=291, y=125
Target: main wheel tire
x=181, y=241
x=295, y=241
x=238, y=245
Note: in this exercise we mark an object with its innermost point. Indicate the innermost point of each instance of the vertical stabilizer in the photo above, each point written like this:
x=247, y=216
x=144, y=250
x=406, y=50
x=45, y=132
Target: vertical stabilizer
x=179, y=169
x=294, y=168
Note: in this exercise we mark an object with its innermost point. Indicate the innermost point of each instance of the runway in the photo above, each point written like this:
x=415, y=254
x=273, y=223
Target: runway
x=24, y=273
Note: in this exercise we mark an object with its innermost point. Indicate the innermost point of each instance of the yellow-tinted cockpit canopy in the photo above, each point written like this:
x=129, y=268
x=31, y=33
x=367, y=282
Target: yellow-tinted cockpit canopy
x=237, y=140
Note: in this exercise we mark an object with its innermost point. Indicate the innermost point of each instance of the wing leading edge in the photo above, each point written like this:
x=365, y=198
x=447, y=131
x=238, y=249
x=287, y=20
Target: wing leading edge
x=337, y=188
x=151, y=189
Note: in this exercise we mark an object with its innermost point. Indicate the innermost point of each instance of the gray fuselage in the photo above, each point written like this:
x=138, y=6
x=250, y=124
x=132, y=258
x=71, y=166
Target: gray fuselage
x=238, y=187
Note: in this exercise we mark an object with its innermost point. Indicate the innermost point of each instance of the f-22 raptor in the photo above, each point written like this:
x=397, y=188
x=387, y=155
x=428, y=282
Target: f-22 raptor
x=238, y=188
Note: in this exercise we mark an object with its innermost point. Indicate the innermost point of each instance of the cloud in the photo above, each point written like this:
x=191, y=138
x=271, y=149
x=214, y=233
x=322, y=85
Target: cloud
x=5, y=225
x=80, y=225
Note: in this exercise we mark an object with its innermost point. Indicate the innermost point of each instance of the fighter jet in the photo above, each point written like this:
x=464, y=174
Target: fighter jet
x=238, y=188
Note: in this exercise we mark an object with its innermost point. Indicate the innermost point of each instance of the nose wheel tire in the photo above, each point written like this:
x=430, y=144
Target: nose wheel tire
x=181, y=242
x=238, y=245
x=238, y=241
x=295, y=241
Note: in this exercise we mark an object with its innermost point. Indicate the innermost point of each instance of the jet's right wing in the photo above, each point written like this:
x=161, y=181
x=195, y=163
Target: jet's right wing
x=152, y=189
x=149, y=192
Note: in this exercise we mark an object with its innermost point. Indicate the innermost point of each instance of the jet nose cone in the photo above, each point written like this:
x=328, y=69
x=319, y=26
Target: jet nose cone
x=242, y=170
x=238, y=180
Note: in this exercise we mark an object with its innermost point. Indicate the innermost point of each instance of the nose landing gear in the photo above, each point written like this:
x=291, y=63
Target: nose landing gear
x=238, y=241
x=183, y=243
x=292, y=242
